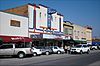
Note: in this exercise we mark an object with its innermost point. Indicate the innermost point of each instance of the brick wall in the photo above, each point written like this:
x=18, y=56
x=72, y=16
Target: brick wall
x=21, y=10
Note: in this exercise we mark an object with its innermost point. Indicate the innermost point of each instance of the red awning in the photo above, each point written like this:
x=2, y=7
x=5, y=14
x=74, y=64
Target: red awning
x=15, y=39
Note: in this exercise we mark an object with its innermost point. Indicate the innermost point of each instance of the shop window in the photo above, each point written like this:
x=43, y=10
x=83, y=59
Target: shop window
x=15, y=23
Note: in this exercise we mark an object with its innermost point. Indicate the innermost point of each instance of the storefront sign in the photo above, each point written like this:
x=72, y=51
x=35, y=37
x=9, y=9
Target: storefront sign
x=17, y=38
x=48, y=36
x=37, y=36
x=57, y=33
x=59, y=37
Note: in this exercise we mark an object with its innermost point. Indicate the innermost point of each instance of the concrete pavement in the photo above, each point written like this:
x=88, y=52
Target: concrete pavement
x=55, y=59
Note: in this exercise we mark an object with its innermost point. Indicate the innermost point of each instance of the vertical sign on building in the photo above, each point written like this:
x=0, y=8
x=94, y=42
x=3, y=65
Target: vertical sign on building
x=59, y=24
x=49, y=18
x=49, y=21
x=34, y=17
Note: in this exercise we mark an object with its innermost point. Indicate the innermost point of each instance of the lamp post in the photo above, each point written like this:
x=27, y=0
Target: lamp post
x=23, y=39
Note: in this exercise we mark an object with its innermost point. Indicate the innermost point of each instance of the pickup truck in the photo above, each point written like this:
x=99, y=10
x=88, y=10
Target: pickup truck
x=21, y=50
x=81, y=48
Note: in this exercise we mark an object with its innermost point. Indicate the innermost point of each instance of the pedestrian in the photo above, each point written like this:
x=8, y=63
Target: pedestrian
x=68, y=49
x=65, y=49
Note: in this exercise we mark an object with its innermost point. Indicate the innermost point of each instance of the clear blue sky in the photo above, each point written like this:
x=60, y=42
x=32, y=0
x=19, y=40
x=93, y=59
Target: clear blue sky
x=81, y=12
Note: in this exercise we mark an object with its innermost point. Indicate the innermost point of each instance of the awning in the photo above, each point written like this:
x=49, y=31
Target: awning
x=96, y=43
x=79, y=41
x=15, y=39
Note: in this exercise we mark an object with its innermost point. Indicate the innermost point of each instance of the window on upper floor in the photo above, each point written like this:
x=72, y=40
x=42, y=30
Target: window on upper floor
x=15, y=23
x=74, y=30
x=40, y=14
x=55, y=19
x=77, y=31
x=45, y=15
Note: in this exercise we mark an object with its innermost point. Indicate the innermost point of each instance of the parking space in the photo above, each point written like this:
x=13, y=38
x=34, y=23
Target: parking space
x=39, y=59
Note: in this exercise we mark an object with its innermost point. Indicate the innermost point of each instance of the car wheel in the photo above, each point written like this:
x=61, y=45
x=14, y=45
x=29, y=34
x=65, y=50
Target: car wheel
x=81, y=52
x=47, y=53
x=21, y=55
x=59, y=52
x=34, y=54
x=88, y=52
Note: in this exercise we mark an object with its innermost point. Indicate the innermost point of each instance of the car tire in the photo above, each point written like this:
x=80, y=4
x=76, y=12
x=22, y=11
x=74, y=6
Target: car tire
x=88, y=52
x=81, y=52
x=34, y=54
x=47, y=53
x=21, y=54
x=59, y=52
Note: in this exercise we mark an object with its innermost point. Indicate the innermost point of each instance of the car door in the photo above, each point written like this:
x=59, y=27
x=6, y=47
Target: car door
x=55, y=49
x=7, y=49
x=1, y=50
x=85, y=47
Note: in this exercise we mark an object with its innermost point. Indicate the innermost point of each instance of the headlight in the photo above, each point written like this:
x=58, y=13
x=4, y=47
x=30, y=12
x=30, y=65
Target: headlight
x=78, y=49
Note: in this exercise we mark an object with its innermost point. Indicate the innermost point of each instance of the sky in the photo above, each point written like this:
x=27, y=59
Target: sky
x=80, y=12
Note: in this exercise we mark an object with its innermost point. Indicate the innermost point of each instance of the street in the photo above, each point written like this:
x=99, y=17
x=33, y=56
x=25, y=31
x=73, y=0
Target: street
x=92, y=59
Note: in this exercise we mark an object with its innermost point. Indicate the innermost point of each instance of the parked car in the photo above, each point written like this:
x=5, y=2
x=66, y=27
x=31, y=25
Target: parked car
x=94, y=47
x=57, y=50
x=98, y=46
x=21, y=50
x=36, y=51
x=81, y=48
x=46, y=50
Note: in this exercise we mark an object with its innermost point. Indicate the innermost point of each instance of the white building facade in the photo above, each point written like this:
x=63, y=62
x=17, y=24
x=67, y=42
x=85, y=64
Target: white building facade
x=44, y=25
x=13, y=27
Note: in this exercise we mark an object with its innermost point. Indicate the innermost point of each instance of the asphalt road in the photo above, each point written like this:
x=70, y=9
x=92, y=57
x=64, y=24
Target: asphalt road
x=92, y=59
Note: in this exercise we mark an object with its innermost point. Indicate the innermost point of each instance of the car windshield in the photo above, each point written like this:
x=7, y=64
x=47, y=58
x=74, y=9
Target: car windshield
x=78, y=46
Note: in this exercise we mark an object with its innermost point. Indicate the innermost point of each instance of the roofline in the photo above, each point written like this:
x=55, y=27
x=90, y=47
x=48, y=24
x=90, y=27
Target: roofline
x=15, y=7
x=68, y=22
x=43, y=6
x=13, y=14
x=60, y=14
x=33, y=5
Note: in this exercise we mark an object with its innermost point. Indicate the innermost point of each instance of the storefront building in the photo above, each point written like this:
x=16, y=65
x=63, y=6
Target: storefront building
x=45, y=25
x=68, y=33
x=82, y=34
x=13, y=28
x=79, y=34
x=88, y=34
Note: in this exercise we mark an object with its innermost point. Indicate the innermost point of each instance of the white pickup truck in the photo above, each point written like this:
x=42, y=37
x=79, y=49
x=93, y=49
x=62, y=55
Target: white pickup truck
x=21, y=50
x=81, y=48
